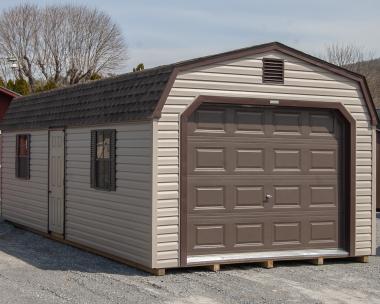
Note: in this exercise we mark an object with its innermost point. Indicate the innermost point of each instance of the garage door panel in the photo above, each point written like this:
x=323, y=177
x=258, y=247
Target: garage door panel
x=249, y=235
x=247, y=138
x=288, y=196
x=230, y=157
x=263, y=179
x=247, y=122
x=225, y=194
x=323, y=231
x=323, y=195
x=324, y=125
x=223, y=234
x=325, y=160
x=209, y=198
x=249, y=196
x=230, y=193
x=264, y=233
x=210, y=159
x=287, y=160
x=286, y=233
x=249, y=159
x=227, y=157
x=232, y=122
x=210, y=236
x=287, y=123
x=210, y=121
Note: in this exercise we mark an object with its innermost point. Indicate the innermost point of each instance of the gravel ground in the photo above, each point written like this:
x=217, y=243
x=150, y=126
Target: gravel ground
x=37, y=270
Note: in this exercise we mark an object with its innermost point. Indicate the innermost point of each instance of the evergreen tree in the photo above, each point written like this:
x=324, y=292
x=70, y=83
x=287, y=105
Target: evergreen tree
x=139, y=67
x=46, y=86
x=95, y=76
x=10, y=85
x=50, y=85
x=21, y=86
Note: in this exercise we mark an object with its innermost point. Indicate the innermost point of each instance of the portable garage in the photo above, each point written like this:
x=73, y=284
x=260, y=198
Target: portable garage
x=259, y=154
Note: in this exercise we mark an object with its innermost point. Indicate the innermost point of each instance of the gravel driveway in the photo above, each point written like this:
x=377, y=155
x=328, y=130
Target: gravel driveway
x=36, y=270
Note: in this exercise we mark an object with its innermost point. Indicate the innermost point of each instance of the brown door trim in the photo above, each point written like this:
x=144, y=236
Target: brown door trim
x=348, y=142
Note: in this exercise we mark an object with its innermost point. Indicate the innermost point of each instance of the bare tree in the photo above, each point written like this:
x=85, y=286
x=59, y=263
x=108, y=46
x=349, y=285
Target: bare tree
x=64, y=44
x=349, y=56
x=18, y=29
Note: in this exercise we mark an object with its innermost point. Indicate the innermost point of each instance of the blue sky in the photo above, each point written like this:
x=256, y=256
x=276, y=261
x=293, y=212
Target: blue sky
x=165, y=31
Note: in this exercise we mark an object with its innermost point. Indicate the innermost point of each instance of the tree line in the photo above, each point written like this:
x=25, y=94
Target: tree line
x=57, y=45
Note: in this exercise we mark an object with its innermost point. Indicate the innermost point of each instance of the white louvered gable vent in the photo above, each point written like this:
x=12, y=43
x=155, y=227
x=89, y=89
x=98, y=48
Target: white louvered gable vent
x=273, y=70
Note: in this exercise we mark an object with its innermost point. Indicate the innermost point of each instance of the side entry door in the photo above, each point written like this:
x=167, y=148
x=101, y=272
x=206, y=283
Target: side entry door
x=56, y=181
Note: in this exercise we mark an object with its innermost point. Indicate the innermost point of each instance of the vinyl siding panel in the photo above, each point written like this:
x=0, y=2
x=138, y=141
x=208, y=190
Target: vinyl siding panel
x=242, y=78
x=373, y=235
x=117, y=222
x=25, y=202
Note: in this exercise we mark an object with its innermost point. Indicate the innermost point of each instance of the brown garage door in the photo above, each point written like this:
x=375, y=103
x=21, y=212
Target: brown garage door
x=263, y=179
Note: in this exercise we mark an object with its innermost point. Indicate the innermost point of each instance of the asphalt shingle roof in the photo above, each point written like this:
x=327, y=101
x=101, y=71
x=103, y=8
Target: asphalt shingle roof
x=127, y=97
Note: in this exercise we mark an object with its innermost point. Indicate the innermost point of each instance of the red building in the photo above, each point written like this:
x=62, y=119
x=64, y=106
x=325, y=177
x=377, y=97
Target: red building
x=6, y=97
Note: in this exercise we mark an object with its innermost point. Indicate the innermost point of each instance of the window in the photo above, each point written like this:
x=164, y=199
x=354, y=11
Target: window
x=273, y=71
x=103, y=159
x=23, y=156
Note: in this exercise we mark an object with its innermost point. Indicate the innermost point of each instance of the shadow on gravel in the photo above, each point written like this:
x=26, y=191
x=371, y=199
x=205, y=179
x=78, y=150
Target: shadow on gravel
x=46, y=254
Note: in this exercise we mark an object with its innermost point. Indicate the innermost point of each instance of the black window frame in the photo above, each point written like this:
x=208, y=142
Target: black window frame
x=22, y=162
x=107, y=165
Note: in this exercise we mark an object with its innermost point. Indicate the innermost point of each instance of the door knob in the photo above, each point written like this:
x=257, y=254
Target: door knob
x=268, y=196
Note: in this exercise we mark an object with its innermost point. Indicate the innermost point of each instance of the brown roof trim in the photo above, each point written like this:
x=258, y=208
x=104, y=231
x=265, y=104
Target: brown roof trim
x=8, y=92
x=274, y=46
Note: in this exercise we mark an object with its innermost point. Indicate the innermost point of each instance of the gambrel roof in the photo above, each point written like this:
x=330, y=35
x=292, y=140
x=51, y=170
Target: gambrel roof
x=137, y=95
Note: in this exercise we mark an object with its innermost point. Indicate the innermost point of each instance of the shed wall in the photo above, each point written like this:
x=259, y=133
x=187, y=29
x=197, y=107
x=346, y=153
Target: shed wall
x=117, y=222
x=242, y=78
x=26, y=201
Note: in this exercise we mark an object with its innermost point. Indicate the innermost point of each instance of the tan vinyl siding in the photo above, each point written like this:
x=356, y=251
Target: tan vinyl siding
x=25, y=201
x=242, y=78
x=117, y=222
x=374, y=194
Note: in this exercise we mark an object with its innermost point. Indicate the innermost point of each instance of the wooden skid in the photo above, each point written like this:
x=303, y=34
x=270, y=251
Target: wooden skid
x=267, y=264
x=318, y=261
x=214, y=267
x=158, y=271
x=362, y=259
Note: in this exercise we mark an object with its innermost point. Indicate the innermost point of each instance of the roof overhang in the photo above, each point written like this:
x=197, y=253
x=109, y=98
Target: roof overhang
x=274, y=46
